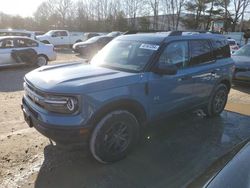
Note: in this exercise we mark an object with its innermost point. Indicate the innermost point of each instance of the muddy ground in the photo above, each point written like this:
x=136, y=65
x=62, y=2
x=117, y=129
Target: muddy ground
x=170, y=154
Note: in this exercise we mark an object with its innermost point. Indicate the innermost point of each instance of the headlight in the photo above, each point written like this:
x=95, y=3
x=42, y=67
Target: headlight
x=60, y=104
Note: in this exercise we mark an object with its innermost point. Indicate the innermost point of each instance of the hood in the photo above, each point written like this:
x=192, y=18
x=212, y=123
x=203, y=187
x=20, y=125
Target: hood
x=241, y=61
x=78, y=78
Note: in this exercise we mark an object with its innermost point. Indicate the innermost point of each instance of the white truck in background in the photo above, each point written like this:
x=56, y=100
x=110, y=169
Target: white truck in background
x=61, y=37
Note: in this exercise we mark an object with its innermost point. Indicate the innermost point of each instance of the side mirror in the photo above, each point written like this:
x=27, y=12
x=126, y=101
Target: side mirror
x=166, y=69
x=53, y=35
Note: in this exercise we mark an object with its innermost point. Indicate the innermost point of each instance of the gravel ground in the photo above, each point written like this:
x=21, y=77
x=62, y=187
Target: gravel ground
x=28, y=160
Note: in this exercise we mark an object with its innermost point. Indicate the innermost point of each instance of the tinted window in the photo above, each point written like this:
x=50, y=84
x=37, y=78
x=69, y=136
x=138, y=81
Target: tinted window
x=7, y=43
x=200, y=52
x=222, y=49
x=175, y=53
x=21, y=43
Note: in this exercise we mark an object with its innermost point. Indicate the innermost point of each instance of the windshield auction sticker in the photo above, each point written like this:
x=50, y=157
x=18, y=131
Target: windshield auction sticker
x=149, y=46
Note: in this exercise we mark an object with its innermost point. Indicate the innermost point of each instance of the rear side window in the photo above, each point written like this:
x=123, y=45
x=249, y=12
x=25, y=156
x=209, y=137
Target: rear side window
x=201, y=52
x=221, y=49
x=22, y=43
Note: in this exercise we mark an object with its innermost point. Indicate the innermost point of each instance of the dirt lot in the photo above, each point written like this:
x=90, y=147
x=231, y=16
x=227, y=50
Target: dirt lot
x=168, y=155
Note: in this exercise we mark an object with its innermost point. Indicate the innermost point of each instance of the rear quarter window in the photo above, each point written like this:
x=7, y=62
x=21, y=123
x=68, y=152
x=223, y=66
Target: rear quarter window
x=221, y=48
x=200, y=51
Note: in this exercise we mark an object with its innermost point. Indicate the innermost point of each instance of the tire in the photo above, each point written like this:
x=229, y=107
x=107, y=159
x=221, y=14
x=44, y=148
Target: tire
x=41, y=61
x=114, y=136
x=78, y=41
x=217, y=101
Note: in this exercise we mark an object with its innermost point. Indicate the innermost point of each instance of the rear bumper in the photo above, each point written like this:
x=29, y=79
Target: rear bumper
x=52, y=57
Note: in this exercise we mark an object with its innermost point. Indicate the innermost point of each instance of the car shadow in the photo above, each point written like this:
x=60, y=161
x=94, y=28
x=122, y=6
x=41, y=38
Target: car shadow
x=170, y=154
x=11, y=79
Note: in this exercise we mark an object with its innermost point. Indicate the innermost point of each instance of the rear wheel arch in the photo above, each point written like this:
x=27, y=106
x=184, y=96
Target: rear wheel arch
x=43, y=56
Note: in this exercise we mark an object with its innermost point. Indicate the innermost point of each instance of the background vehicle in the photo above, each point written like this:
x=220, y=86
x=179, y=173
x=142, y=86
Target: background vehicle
x=231, y=170
x=133, y=80
x=45, y=52
x=233, y=45
x=17, y=32
x=60, y=37
x=91, y=46
x=89, y=35
x=242, y=64
x=114, y=34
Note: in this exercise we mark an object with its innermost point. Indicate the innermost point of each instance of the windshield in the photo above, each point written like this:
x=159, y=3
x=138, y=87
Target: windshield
x=244, y=51
x=49, y=32
x=126, y=55
x=93, y=39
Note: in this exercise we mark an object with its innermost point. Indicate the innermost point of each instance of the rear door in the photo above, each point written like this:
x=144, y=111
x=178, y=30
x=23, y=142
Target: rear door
x=6, y=47
x=202, y=63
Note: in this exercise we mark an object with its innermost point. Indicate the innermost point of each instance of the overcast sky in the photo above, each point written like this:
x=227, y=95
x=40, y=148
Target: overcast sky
x=28, y=7
x=19, y=7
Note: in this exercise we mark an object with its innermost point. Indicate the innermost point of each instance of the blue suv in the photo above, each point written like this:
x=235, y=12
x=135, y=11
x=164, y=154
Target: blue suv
x=132, y=81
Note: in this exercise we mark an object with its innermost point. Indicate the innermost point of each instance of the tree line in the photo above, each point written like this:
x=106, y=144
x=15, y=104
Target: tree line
x=108, y=15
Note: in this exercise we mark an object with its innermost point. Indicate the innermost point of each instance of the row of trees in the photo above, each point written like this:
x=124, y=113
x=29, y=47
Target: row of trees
x=107, y=15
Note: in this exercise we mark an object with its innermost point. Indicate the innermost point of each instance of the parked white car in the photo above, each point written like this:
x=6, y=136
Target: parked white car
x=45, y=52
x=61, y=37
x=233, y=45
x=17, y=32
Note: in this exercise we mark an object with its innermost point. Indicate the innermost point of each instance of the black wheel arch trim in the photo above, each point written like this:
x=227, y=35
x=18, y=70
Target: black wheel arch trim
x=130, y=105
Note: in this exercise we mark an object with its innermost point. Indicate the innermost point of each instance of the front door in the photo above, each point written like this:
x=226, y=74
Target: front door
x=171, y=93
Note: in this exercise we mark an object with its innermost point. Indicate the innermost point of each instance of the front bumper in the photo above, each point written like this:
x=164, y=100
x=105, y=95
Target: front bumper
x=60, y=134
x=52, y=57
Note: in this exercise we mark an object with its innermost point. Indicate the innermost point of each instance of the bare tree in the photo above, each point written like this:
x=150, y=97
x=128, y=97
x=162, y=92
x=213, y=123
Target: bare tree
x=173, y=8
x=239, y=8
x=155, y=4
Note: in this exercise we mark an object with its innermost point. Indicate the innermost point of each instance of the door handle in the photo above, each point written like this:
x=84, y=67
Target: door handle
x=215, y=71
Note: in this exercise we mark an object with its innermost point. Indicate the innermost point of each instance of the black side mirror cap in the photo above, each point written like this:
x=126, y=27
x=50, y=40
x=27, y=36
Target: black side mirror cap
x=165, y=69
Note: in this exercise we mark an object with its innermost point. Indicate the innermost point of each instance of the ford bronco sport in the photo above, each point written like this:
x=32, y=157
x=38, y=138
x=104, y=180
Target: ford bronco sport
x=133, y=80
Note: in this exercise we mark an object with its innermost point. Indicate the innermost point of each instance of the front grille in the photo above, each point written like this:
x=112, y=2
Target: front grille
x=33, y=112
x=34, y=95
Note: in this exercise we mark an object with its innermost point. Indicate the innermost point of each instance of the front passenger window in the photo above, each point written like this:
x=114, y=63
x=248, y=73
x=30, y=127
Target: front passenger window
x=176, y=53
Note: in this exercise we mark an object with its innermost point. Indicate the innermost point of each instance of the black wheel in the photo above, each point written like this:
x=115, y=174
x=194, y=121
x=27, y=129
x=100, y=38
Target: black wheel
x=41, y=61
x=114, y=136
x=217, y=101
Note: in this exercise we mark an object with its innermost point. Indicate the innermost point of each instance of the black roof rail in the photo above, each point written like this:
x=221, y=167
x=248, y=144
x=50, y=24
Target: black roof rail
x=175, y=33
